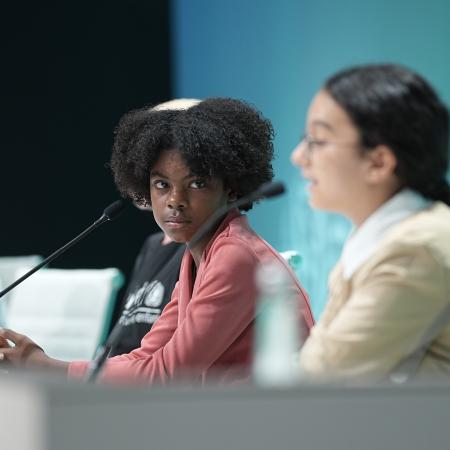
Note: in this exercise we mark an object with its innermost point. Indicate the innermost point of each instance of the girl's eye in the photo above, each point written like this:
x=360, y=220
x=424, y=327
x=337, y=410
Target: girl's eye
x=198, y=184
x=313, y=142
x=159, y=184
x=317, y=142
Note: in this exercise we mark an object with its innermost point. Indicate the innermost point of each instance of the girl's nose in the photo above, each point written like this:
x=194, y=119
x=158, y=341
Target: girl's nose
x=299, y=156
x=177, y=199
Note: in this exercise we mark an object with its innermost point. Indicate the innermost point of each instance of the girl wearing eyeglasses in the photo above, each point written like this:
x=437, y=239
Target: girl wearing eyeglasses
x=376, y=151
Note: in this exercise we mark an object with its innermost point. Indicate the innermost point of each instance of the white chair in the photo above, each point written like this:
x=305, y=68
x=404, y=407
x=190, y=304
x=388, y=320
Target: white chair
x=67, y=312
x=293, y=258
x=9, y=265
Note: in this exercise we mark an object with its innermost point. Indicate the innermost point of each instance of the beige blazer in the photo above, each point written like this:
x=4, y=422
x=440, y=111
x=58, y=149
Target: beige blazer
x=375, y=319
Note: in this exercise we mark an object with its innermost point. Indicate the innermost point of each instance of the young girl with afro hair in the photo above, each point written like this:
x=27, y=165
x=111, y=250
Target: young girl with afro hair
x=186, y=163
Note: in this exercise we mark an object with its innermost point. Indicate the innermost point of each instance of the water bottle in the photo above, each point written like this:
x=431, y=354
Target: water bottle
x=277, y=333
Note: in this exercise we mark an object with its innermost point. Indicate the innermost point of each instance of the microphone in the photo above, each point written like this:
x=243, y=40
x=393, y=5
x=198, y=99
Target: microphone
x=101, y=355
x=111, y=212
x=266, y=190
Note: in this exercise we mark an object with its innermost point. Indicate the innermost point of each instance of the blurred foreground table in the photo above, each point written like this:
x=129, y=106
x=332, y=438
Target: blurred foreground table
x=45, y=414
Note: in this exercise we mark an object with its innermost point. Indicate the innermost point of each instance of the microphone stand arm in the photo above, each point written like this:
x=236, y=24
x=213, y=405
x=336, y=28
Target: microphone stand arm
x=101, y=355
x=54, y=255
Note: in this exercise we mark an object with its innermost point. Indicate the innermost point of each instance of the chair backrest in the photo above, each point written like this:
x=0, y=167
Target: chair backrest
x=66, y=312
x=293, y=258
x=9, y=265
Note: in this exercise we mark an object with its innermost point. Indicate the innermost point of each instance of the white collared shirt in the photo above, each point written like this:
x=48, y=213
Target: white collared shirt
x=363, y=241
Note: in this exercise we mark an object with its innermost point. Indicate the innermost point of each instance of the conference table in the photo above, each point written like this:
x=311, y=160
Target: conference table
x=42, y=413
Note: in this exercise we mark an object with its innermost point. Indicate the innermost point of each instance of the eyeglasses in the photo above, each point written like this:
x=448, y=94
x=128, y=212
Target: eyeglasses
x=312, y=144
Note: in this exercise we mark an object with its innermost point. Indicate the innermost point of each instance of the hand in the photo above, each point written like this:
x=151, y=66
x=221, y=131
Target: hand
x=23, y=353
x=3, y=343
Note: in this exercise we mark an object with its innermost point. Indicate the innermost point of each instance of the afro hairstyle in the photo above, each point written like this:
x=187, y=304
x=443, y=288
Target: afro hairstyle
x=216, y=137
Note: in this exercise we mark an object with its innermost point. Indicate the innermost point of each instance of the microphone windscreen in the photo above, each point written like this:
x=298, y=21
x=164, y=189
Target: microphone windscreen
x=114, y=209
x=271, y=189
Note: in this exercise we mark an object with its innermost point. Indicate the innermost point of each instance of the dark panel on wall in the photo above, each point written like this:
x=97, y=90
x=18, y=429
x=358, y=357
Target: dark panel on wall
x=69, y=71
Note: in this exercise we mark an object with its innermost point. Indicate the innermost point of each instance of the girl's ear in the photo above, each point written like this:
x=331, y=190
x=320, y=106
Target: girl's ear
x=232, y=195
x=382, y=165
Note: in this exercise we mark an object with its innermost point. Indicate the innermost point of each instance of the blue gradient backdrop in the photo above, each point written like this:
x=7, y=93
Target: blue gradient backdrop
x=275, y=55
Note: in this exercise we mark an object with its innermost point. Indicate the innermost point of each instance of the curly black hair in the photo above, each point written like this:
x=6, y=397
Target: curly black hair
x=218, y=137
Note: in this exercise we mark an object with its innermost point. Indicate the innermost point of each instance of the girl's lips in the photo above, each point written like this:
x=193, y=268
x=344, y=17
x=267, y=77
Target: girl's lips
x=309, y=179
x=176, y=225
x=176, y=222
x=311, y=183
x=176, y=218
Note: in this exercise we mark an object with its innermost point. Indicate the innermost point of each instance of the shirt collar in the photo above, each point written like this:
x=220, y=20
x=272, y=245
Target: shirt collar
x=363, y=241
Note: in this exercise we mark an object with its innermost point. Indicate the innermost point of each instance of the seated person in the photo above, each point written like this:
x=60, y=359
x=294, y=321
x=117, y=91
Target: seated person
x=187, y=165
x=154, y=275
x=376, y=151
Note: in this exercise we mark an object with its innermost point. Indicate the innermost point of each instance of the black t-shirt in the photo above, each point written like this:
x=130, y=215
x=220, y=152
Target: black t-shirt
x=154, y=276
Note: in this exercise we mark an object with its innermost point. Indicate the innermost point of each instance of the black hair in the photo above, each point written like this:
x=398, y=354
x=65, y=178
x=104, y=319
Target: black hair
x=218, y=137
x=391, y=105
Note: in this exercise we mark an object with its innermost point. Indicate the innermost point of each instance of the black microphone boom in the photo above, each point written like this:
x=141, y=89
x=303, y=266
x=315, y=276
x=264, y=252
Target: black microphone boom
x=266, y=190
x=101, y=355
x=270, y=189
x=113, y=211
x=110, y=213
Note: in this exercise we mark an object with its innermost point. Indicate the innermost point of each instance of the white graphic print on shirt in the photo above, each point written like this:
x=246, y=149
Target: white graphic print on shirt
x=143, y=305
